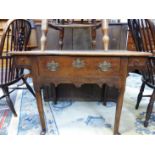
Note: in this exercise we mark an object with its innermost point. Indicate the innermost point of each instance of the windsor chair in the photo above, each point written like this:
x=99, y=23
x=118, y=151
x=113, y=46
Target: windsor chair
x=143, y=33
x=15, y=38
x=61, y=24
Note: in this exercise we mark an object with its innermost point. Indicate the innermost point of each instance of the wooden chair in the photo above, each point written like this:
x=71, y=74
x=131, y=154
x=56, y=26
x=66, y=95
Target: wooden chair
x=60, y=24
x=143, y=33
x=15, y=38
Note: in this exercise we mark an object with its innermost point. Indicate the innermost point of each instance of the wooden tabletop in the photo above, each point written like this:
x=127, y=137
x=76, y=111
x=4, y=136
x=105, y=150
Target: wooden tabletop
x=84, y=53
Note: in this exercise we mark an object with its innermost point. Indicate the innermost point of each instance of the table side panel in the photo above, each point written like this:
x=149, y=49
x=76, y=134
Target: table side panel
x=23, y=61
x=137, y=63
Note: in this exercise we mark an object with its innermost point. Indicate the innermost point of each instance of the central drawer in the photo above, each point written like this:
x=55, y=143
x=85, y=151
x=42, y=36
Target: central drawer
x=78, y=66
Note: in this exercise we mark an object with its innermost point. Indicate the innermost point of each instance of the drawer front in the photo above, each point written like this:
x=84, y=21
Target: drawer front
x=24, y=61
x=137, y=62
x=77, y=67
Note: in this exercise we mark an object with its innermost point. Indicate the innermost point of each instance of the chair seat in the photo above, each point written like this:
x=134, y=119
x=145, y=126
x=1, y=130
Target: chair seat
x=8, y=82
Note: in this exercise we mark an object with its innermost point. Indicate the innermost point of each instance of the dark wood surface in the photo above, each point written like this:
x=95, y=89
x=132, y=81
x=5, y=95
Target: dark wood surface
x=67, y=72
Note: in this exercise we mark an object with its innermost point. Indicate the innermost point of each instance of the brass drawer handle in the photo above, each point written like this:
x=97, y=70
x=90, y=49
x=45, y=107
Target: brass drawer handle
x=78, y=63
x=53, y=66
x=104, y=66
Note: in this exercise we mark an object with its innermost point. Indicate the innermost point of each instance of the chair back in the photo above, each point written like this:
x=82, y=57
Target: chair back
x=78, y=23
x=15, y=38
x=143, y=34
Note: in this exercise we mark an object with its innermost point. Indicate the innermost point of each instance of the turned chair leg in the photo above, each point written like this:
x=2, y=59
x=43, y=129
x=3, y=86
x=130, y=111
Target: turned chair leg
x=149, y=109
x=28, y=87
x=8, y=100
x=93, y=36
x=61, y=37
x=140, y=95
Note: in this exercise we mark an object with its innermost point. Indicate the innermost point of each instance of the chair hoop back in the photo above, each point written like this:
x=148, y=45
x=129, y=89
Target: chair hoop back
x=15, y=38
x=143, y=34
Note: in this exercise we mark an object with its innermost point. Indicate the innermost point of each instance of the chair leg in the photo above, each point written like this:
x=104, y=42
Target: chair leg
x=8, y=100
x=28, y=87
x=140, y=95
x=61, y=36
x=93, y=36
x=149, y=109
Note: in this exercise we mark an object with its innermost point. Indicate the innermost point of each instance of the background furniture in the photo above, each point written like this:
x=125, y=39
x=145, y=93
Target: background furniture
x=143, y=33
x=15, y=37
x=61, y=24
x=2, y=25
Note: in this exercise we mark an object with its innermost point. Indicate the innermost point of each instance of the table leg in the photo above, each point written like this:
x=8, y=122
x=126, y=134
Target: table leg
x=119, y=110
x=40, y=110
x=55, y=94
x=104, y=94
